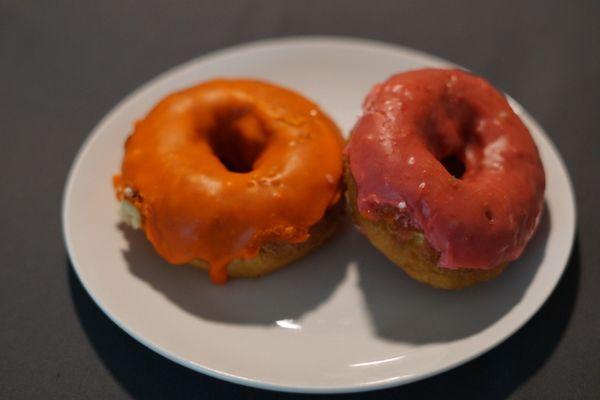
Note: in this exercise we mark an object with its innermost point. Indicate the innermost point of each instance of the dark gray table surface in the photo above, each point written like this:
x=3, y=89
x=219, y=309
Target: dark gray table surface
x=63, y=66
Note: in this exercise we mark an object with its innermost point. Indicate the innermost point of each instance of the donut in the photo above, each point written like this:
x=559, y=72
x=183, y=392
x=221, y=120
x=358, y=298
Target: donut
x=443, y=177
x=236, y=176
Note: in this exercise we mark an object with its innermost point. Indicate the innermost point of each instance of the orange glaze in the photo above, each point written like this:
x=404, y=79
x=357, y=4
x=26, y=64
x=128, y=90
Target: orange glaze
x=222, y=168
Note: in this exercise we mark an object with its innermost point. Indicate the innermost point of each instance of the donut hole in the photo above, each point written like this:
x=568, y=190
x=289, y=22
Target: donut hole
x=238, y=139
x=454, y=165
x=447, y=131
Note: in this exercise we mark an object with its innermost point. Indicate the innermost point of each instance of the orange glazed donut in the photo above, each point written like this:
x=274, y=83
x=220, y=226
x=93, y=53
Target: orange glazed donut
x=443, y=177
x=237, y=176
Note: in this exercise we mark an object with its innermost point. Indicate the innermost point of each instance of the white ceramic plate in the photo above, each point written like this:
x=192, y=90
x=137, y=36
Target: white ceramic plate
x=343, y=319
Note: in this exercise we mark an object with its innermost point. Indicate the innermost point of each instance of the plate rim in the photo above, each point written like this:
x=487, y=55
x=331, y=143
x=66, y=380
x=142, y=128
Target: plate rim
x=264, y=44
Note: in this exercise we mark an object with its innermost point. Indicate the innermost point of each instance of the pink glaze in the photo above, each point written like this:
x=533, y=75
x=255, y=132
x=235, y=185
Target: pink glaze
x=417, y=118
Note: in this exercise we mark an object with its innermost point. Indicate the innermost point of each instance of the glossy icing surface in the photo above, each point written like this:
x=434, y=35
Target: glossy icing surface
x=219, y=169
x=412, y=126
